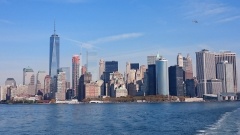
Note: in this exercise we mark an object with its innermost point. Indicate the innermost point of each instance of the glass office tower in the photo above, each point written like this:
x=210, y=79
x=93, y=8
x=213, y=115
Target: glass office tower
x=54, y=59
x=54, y=54
x=162, y=79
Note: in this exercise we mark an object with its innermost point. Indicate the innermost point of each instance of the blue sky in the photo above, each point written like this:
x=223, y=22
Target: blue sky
x=122, y=30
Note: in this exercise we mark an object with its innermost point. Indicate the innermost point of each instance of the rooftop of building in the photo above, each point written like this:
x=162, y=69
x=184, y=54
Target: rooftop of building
x=28, y=69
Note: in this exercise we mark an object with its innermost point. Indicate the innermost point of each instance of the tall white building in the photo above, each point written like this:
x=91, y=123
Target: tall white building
x=29, y=80
x=225, y=74
x=180, y=60
x=101, y=68
x=205, y=67
x=231, y=58
x=61, y=86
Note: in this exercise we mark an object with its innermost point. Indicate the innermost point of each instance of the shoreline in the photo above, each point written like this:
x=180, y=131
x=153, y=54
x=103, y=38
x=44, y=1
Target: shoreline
x=114, y=103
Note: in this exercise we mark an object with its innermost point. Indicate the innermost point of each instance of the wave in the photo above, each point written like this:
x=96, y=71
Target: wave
x=228, y=123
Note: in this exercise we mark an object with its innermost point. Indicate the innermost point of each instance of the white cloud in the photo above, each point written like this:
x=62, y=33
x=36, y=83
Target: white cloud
x=92, y=44
x=210, y=11
x=204, y=9
x=81, y=44
x=116, y=38
x=228, y=19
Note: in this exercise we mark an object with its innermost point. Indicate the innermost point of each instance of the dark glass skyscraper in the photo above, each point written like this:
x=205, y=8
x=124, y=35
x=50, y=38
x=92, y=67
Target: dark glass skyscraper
x=176, y=79
x=54, y=54
x=111, y=66
x=152, y=79
x=134, y=66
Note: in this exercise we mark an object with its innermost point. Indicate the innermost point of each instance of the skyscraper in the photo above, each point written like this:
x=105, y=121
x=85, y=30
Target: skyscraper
x=187, y=67
x=67, y=72
x=85, y=78
x=180, y=60
x=162, y=80
x=11, y=82
x=191, y=87
x=47, y=84
x=28, y=76
x=134, y=66
x=54, y=54
x=151, y=79
x=231, y=58
x=111, y=66
x=61, y=86
x=101, y=68
x=40, y=81
x=29, y=80
x=206, y=68
x=225, y=74
x=151, y=60
x=75, y=73
x=176, y=85
x=143, y=69
x=92, y=64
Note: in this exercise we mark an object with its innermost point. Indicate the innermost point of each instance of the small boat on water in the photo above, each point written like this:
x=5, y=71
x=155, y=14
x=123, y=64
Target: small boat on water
x=95, y=101
x=73, y=101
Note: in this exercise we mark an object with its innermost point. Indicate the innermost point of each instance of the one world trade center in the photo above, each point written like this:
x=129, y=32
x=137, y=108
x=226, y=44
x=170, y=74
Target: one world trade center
x=54, y=54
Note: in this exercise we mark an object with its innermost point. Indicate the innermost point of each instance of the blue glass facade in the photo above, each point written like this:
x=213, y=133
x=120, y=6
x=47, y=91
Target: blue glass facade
x=134, y=66
x=152, y=79
x=111, y=66
x=54, y=55
x=162, y=84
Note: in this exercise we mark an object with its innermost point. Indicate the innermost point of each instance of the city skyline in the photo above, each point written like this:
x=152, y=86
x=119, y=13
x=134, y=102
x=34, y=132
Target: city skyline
x=159, y=29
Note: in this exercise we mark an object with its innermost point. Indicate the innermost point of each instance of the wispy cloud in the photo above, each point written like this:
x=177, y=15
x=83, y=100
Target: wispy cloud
x=66, y=1
x=6, y=21
x=210, y=11
x=92, y=44
x=228, y=19
x=116, y=38
x=81, y=44
x=204, y=9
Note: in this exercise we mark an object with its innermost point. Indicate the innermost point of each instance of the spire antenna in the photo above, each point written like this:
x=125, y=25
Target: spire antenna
x=54, y=27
